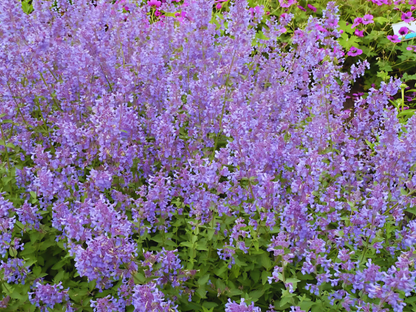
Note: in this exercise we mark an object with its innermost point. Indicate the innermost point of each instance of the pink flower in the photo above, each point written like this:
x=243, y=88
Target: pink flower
x=180, y=16
x=320, y=28
x=411, y=48
x=157, y=13
x=393, y=38
x=354, y=51
x=255, y=10
x=218, y=6
x=380, y=2
x=403, y=31
x=367, y=19
x=357, y=22
x=154, y=3
x=407, y=17
x=302, y=8
x=359, y=33
x=310, y=6
x=286, y=3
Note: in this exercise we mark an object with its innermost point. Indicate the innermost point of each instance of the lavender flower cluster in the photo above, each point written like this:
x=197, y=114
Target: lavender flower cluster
x=123, y=114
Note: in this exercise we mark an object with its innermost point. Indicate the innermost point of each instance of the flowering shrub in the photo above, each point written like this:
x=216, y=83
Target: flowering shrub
x=178, y=162
x=366, y=34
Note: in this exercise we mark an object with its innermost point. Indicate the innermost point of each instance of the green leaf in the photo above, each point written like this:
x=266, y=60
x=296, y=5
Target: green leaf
x=384, y=66
x=186, y=244
x=346, y=28
x=220, y=284
x=27, y=8
x=256, y=294
x=347, y=42
x=59, y=277
x=209, y=305
x=286, y=297
x=265, y=261
x=306, y=304
x=381, y=20
x=234, y=292
x=383, y=75
x=255, y=275
x=264, y=277
x=411, y=210
x=59, y=264
x=260, y=35
x=210, y=233
x=201, y=292
x=221, y=270
x=318, y=306
x=37, y=270
x=203, y=280
x=235, y=270
x=256, y=244
x=407, y=113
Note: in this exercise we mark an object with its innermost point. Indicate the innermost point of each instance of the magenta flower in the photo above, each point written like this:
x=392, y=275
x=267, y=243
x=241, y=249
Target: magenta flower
x=403, y=31
x=407, y=17
x=394, y=38
x=286, y=3
x=154, y=3
x=367, y=19
x=359, y=33
x=320, y=28
x=380, y=2
x=302, y=8
x=411, y=48
x=311, y=7
x=357, y=22
x=354, y=51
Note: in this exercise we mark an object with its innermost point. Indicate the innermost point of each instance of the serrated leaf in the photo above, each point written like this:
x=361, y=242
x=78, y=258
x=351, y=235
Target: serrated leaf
x=234, y=292
x=58, y=277
x=59, y=264
x=203, y=280
x=381, y=20
x=201, y=292
x=407, y=113
x=256, y=294
x=264, y=277
x=265, y=261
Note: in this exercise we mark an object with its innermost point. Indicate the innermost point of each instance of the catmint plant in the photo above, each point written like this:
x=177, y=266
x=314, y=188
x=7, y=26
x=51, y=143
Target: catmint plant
x=179, y=161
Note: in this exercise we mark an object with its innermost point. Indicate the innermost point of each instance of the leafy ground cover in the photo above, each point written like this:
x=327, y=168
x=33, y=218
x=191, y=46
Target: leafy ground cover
x=190, y=156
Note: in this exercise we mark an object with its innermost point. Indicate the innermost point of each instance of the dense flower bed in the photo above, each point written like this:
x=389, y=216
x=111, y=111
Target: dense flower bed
x=183, y=163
